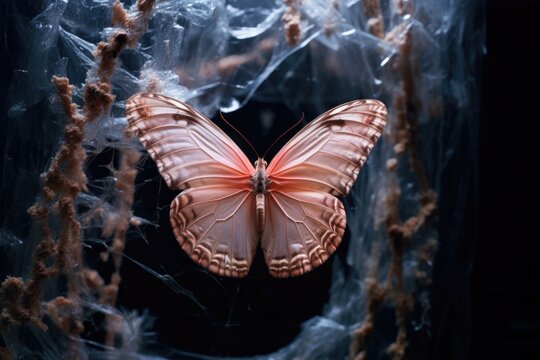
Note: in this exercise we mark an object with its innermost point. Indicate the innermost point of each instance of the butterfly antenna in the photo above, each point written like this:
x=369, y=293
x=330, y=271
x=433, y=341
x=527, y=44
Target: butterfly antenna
x=242, y=135
x=283, y=134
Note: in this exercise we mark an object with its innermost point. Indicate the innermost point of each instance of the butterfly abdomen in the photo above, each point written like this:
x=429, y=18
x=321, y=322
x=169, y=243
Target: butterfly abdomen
x=260, y=208
x=259, y=181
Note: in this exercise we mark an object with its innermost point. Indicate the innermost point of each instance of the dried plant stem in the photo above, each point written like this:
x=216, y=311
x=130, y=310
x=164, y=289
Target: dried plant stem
x=375, y=24
x=291, y=22
x=375, y=296
x=125, y=189
x=134, y=26
x=61, y=183
x=404, y=133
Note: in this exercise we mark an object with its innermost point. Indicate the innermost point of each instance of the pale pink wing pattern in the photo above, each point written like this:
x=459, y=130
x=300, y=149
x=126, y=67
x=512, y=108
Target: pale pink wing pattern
x=216, y=226
x=305, y=221
x=187, y=147
x=214, y=219
x=302, y=229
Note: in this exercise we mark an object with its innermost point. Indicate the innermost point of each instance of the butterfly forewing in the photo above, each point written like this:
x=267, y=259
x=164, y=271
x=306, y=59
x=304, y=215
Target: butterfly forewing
x=214, y=219
x=327, y=154
x=187, y=147
x=305, y=221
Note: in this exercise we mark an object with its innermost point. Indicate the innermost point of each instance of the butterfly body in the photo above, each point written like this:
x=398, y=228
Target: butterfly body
x=227, y=205
x=259, y=181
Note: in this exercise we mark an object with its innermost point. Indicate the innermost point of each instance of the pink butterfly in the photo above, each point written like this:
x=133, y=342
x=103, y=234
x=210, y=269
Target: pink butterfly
x=227, y=204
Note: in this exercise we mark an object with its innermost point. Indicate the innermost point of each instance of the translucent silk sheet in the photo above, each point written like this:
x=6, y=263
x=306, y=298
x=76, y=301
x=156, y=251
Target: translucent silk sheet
x=78, y=243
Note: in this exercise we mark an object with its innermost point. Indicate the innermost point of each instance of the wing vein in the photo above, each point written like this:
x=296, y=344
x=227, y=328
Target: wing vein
x=305, y=180
x=214, y=200
x=227, y=144
x=339, y=157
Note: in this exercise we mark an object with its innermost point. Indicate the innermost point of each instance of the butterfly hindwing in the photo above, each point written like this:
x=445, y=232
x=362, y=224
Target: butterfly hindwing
x=319, y=163
x=303, y=228
x=216, y=226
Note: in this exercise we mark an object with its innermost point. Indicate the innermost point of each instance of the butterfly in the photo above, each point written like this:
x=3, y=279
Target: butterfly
x=227, y=205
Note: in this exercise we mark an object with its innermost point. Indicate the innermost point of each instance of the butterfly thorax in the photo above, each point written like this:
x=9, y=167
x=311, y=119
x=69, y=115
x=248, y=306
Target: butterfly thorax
x=259, y=181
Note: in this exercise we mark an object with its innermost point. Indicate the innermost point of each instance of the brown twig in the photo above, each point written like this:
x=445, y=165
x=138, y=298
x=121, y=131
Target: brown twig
x=125, y=189
x=134, y=26
x=61, y=184
x=291, y=22
x=375, y=24
x=404, y=133
x=375, y=297
x=407, y=105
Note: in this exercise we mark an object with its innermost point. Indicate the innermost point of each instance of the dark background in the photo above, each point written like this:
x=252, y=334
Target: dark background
x=492, y=307
x=505, y=311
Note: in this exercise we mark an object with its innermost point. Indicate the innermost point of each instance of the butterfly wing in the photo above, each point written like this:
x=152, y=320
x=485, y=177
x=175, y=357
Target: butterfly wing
x=302, y=229
x=216, y=226
x=189, y=150
x=213, y=219
x=305, y=221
